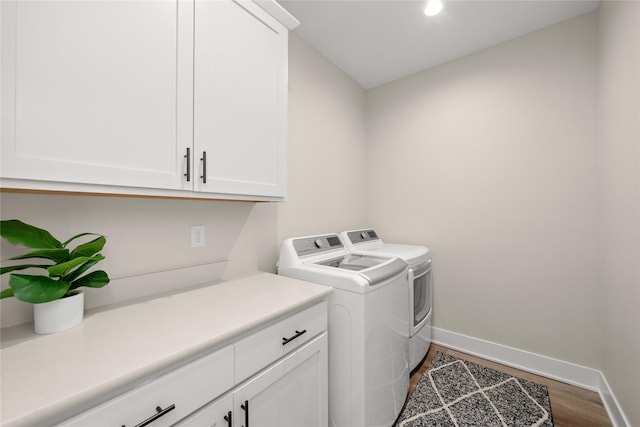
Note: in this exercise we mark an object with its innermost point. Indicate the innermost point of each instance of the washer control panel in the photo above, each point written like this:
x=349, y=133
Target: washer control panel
x=316, y=244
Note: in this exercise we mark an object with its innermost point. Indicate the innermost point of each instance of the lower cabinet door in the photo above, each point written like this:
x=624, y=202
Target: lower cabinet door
x=216, y=414
x=292, y=393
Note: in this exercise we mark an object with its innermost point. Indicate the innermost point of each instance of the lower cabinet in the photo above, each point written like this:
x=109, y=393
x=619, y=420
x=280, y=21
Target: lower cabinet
x=291, y=393
x=274, y=377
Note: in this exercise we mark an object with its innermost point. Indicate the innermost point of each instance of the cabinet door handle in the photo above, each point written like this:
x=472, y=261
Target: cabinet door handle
x=188, y=157
x=288, y=340
x=159, y=412
x=228, y=419
x=245, y=407
x=204, y=167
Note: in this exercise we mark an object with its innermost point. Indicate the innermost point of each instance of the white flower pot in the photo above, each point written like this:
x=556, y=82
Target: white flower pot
x=58, y=315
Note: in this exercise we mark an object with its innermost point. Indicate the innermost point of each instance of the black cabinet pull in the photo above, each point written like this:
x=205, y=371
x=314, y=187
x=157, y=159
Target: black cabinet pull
x=188, y=157
x=204, y=167
x=245, y=407
x=228, y=419
x=288, y=340
x=159, y=412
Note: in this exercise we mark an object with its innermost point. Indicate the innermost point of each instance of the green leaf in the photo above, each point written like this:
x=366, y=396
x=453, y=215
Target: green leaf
x=37, y=289
x=6, y=293
x=79, y=271
x=78, y=236
x=65, y=268
x=56, y=255
x=90, y=248
x=18, y=233
x=11, y=268
x=95, y=279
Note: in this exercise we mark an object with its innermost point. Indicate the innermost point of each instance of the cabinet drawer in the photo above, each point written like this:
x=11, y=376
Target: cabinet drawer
x=266, y=346
x=188, y=388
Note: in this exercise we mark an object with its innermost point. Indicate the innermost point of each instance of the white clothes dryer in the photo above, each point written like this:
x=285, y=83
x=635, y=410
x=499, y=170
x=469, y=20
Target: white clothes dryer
x=367, y=241
x=368, y=327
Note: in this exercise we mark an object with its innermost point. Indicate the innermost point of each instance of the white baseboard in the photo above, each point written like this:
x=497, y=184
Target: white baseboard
x=618, y=418
x=581, y=376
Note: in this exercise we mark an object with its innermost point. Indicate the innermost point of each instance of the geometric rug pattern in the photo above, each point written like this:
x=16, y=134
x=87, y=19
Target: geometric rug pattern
x=458, y=393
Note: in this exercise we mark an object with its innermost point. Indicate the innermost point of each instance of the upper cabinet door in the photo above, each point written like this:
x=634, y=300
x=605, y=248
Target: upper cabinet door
x=97, y=92
x=240, y=99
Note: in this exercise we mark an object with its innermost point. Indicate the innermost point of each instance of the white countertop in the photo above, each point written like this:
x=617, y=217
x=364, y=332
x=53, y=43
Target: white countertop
x=46, y=376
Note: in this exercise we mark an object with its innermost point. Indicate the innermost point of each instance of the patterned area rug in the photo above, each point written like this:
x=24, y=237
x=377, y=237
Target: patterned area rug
x=455, y=392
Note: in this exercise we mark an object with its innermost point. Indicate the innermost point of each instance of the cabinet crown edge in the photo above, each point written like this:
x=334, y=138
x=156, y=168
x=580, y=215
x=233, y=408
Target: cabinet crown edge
x=278, y=12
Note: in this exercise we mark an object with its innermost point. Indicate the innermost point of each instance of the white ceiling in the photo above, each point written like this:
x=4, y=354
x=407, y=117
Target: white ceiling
x=383, y=40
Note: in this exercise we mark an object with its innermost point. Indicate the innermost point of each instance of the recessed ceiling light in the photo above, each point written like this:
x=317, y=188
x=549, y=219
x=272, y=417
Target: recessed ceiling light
x=433, y=7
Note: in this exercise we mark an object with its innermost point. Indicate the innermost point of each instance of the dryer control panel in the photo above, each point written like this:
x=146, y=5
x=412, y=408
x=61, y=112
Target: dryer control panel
x=317, y=244
x=359, y=236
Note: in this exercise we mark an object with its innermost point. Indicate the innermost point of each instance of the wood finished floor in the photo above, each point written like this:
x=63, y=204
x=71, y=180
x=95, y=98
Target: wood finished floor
x=571, y=406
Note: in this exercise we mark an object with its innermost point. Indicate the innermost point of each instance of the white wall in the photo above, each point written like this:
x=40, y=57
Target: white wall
x=490, y=160
x=326, y=147
x=619, y=141
x=145, y=235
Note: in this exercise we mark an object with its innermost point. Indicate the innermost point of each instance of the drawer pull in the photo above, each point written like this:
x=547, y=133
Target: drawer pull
x=288, y=340
x=245, y=407
x=228, y=419
x=159, y=412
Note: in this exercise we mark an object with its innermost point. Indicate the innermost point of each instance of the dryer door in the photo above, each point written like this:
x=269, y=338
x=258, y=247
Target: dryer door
x=420, y=296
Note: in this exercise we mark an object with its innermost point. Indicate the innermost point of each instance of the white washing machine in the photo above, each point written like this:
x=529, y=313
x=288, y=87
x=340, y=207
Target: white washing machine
x=368, y=327
x=367, y=241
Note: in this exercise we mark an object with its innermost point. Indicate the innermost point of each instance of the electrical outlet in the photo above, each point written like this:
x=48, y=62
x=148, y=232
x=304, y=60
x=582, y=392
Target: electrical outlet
x=197, y=236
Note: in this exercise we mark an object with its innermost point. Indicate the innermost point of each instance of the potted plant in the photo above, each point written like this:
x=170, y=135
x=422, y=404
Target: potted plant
x=65, y=270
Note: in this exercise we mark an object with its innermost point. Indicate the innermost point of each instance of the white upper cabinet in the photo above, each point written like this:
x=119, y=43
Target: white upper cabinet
x=90, y=90
x=109, y=96
x=240, y=99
